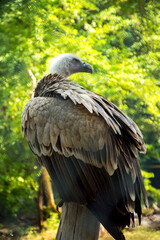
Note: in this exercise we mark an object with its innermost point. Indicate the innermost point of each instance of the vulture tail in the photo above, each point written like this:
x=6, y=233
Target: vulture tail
x=102, y=213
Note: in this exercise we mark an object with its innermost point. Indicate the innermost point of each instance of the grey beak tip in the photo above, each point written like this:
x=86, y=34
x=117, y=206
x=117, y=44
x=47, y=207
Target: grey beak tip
x=91, y=70
x=88, y=68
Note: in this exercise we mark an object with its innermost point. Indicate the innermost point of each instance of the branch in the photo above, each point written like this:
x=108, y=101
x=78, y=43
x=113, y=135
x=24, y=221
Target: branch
x=33, y=81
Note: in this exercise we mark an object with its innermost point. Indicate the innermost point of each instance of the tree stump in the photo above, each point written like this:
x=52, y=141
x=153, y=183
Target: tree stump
x=77, y=223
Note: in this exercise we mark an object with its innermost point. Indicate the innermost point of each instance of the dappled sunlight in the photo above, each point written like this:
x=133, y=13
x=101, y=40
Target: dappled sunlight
x=120, y=40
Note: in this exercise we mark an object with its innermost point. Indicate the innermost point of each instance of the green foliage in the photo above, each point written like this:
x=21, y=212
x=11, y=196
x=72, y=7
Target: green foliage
x=152, y=192
x=53, y=221
x=120, y=39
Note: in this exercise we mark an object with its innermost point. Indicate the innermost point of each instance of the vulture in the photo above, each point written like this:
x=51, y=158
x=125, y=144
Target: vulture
x=88, y=146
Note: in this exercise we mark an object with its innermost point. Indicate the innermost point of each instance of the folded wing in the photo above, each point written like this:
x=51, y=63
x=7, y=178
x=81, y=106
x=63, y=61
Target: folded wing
x=89, y=147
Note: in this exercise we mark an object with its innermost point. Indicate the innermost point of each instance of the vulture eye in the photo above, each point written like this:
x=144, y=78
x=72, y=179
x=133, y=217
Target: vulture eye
x=75, y=61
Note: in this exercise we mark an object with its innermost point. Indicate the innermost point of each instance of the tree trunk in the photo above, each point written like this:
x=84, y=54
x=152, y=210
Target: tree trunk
x=77, y=223
x=47, y=190
x=40, y=204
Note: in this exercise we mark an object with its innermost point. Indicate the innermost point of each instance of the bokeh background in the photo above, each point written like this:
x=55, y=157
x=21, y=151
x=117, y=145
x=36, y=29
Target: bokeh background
x=120, y=39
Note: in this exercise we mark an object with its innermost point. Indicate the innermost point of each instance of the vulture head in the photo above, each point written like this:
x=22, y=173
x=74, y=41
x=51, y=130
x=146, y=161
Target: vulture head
x=67, y=64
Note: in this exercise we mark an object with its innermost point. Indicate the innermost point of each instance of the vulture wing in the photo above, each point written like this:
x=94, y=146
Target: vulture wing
x=89, y=147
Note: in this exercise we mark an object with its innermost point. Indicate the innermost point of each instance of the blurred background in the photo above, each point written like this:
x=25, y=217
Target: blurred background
x=121, y=40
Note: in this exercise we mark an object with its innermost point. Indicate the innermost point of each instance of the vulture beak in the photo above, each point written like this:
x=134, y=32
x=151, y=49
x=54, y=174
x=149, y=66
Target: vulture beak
x=85, y=67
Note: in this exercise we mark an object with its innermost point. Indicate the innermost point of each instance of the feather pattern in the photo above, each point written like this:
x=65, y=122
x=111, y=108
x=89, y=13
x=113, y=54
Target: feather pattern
x=89, y=147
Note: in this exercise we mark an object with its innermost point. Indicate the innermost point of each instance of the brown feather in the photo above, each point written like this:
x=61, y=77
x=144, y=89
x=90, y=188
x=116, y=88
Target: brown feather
x=89, y=146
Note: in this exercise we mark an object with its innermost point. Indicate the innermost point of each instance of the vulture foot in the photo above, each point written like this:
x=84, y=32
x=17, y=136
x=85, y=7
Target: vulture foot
x=60, y=204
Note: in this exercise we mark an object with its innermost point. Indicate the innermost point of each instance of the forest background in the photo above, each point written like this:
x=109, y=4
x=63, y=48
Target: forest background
x=120, y=39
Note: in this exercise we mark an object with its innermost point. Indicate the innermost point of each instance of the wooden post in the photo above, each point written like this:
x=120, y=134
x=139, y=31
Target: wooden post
x=77, y=223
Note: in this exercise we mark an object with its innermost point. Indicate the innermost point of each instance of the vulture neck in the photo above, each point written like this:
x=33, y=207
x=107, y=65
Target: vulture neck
x=46, y=85
x=62, y=72
x=60, y=68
